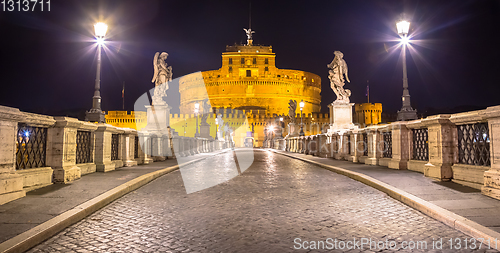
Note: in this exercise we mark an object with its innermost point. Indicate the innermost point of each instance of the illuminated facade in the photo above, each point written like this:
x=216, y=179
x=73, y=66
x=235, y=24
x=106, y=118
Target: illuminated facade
x=368, y=113
x=249, y=79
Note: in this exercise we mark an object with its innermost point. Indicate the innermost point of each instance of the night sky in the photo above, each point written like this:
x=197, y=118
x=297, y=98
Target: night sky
x=48, y=59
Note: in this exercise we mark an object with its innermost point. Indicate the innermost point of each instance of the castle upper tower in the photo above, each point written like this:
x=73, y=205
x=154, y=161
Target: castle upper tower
x=249, y=79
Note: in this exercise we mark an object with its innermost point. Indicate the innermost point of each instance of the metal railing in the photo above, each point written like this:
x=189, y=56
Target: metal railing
x=30, y=147
x=421, y=144
x=114, y=146
x=387, y=152
x=136, y=147
x=365, y=144
x=348, y=144
x=474, y=144
x=83, y=147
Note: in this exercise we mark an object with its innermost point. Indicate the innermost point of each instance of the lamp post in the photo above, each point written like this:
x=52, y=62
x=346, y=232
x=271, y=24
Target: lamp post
x=271, y=136
x=406, y=112
x=281, y=127
x=196, y=110
x=301, y=133
x=185, y=125
x=95, y=114
x=216, y=128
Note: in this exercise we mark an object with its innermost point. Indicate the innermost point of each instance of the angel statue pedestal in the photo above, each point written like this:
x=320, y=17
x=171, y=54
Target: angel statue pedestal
x=340, y=116
x=293, y=130
x=340, y=109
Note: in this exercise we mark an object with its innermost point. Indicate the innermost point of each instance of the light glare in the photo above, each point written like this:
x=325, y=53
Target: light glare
x=100, y=29
x=405, y=40
x=100, y=41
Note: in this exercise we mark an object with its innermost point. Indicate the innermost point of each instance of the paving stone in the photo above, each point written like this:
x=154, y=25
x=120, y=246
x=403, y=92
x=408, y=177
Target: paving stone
x=275, y=201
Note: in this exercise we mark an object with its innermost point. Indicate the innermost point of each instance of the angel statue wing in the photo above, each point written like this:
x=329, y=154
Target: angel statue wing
x=155, y=65
x=345, y=70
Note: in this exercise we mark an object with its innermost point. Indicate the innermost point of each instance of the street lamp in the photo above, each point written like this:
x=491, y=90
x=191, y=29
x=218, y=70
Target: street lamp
x=216, y=128
x=196, y=110
x=282, y=126
x=95, y=114
x=406, y=112
x=270, y=131
x=301, y=123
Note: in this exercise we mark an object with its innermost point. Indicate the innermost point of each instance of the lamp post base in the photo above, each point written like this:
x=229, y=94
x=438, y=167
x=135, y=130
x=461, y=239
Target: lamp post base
x=95, y=115
x=407, y=113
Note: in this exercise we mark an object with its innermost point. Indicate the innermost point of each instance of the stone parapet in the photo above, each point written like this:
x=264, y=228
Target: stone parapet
x=61, y=148
x=11, y=183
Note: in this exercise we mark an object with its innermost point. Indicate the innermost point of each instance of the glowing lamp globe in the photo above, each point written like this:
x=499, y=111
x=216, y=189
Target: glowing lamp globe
x=100, y=29
x=403, y=27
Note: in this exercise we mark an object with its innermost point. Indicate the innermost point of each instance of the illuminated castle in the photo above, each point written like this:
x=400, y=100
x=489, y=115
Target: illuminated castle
x=249, y=79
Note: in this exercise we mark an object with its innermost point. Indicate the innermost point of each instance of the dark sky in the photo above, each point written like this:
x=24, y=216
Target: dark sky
x=47, y=59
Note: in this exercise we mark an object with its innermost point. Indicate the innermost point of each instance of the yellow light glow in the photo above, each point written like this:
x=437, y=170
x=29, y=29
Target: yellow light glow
x=301, y=104
x=100, y=29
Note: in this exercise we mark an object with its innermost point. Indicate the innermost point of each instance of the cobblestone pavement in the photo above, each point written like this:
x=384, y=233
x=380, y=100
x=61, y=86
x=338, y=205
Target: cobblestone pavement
x=269, y=206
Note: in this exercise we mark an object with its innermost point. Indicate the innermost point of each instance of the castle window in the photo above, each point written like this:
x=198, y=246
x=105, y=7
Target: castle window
x=230, y=60
x=254, y=60
x=266, y=69
x=266, y=61
x=249, y=73
x=230, y=69
x=242, y=60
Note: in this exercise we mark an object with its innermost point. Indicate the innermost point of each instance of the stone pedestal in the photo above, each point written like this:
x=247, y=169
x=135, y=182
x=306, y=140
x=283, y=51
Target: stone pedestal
x=11, y=184
x=340, y=116
x=61, y=149
x=400, y=146
x=293, y=130
x=127, y=148
x=375, y=147
x=158, y=117
x=442, y=136
x=103, y=148
x=491, y=186
x=356, y=151
x=205, y=130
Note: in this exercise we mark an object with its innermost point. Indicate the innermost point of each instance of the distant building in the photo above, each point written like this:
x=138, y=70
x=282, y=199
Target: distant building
x=368, y=113
x=134, y=120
